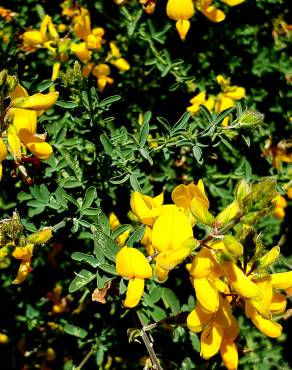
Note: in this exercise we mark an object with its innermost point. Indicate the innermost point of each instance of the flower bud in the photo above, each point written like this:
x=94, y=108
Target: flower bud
x=250, y=118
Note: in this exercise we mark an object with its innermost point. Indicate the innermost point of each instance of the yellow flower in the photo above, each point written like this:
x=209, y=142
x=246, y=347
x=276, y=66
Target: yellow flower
x=210, y=11
x=146, y=208
x=200, y=99
x=81, y=51
x=116, y=58
x=81, y=24
x=211, y=339
x=23, y=271
x=132, y=264
x=232, y=2
x=101, y=72
x=181, y=11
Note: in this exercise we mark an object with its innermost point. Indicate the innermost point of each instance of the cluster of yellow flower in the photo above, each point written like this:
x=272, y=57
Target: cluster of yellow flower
x=224, y=272
x=13, y=242
x=18, y=120
x=86, y=44
x=225, y=99
x=182, y=10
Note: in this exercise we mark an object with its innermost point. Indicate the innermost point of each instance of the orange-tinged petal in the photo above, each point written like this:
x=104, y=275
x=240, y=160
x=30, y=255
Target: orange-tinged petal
x=278, y=304
x=269, y=328
x=134, y=292
x=239, y=281
x=207, y=294
x=229, y=354
x=23, y=253
x=40, y=150
x=23, y=271
x=198, y=318
x=18, y=92
x=282, y=280
x=213, y=14
x=130, y=263
x=183, y=27
x=211, y=339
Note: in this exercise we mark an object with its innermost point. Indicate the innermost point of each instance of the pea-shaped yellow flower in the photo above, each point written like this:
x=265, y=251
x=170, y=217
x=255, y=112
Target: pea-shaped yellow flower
x=181, y=11
x=132, y=264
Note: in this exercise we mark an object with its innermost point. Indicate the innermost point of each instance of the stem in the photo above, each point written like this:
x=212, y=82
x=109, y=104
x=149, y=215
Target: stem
x=85, y=359
x=148, y=344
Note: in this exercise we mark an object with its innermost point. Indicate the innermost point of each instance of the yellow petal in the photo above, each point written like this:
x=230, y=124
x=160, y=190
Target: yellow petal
x=33, y=37
x=161, y=273
x=229, y=354
x=282, y=280
x=223, y=102
x=41, y=236
x=134, y=292
x=213, y=14
x=14, y=144
x=211, y=339
x=18, y=92
x=37, y=101
x=239, y=281
x=130, y=263
x=225, y=319
x=23, y=253
x=269, y=258
x=180, y=9
x=232, y=2
x=204, y=265
x=198, y=319
x=24, y=120
x=278, y=304
x=171, y=229
x=235, y=92
x=269, y=328
x=207, y=294
x=122, y=64
x=183, y=27
x=56, y=71
x=3, y=150
x=23, y=271
x=81, y=51
x=40, y=150
x=200, y=211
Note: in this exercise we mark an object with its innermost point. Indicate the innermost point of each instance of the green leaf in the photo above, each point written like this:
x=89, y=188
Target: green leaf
x=180, y=124
x=134, y=183
x=76, y=331
x=70, y=182
x=108, y=268
x=206, y=113
x=222, y=115
x=22, y=196
x=195, y=341
x=145, y=154
x=144, y=132
x=197, y=152
x=44, y=85
x=104, y=243
x=109, y=100
x=82, y=278
x=72, y=162
x=119, y=230
x=82, y=257
x=170, y=300
x=136, y=236
x=107, y=145
x=66, y=104
x=120, y=179
x=90, y=195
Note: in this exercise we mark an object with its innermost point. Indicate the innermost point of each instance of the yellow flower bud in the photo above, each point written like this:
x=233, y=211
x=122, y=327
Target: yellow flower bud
x=233, y=245
x=4, y=338
x=41, y=236
x=269, y=258
x=229, y=213
x=121, y=64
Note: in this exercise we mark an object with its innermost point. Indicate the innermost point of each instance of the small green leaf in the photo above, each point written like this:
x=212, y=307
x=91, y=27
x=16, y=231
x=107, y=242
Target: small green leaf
x=108, y=268
x=195, y=341
x=66, y=104
x=119, y=230
x=90, y=195
x=82, y=257
x=197, y=152
x=109, y=100
x=107, y=145
x=76, y=331
x=120, y=179
x=170, y=300
x=144, y=132
x=134, y=183
x=104, y=243
x=82, y=278
x=180, y=124
x=136, y=236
